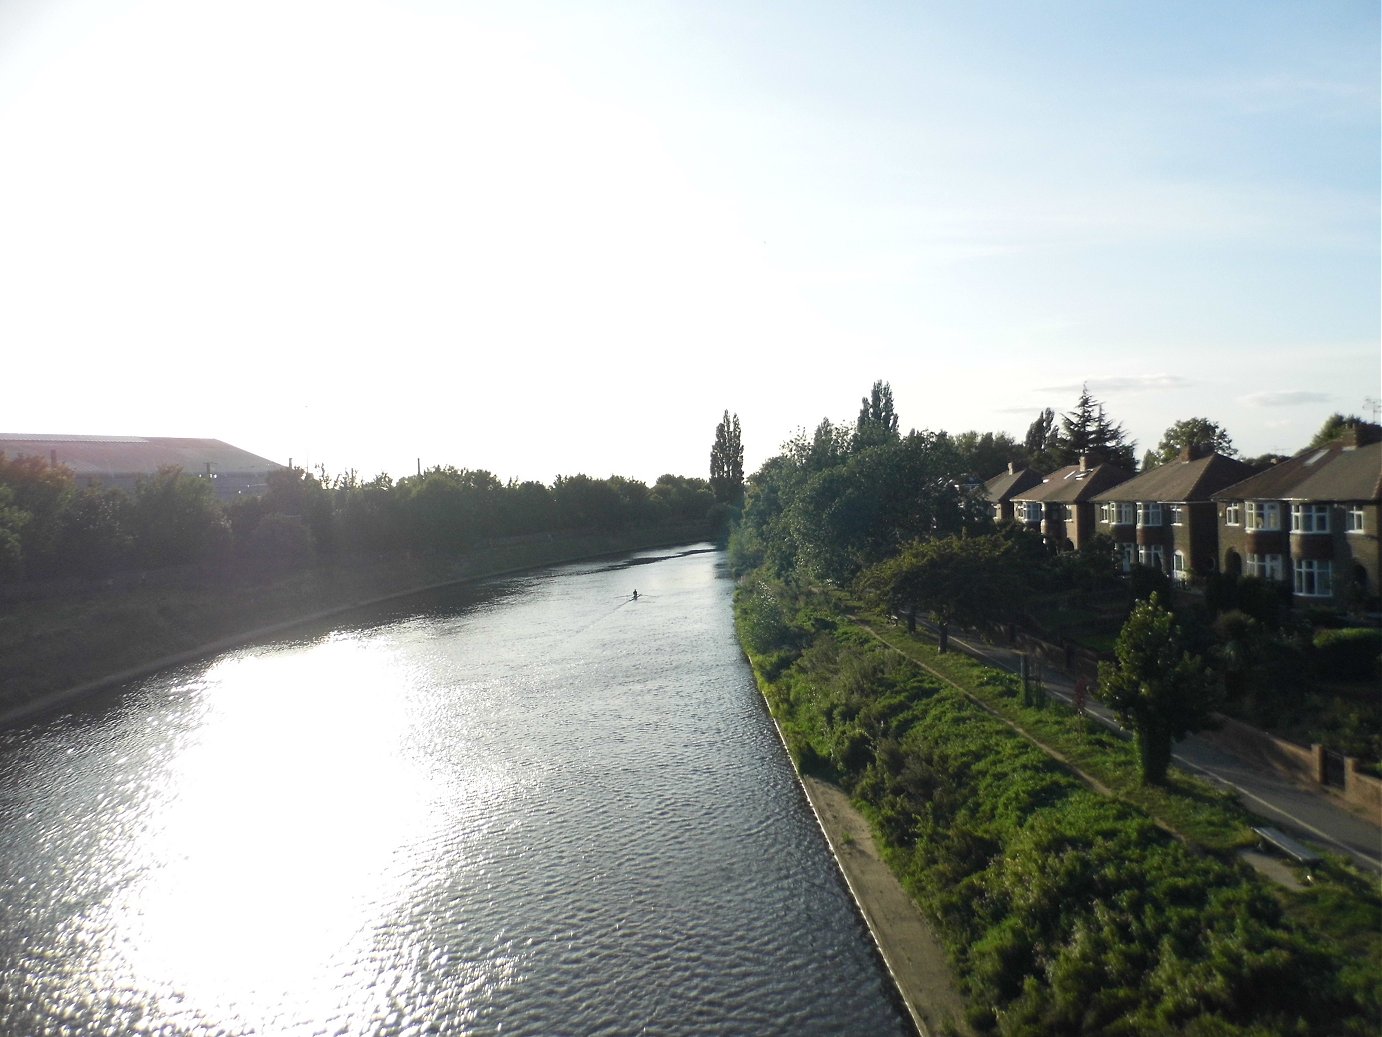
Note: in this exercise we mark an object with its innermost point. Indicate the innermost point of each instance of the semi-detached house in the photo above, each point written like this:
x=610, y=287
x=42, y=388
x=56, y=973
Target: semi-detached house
x=1061, y=507
x=1310, y=522
x=1164, y=518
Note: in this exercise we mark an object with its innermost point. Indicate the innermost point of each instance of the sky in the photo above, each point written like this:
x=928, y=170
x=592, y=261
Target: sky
x=543, y=238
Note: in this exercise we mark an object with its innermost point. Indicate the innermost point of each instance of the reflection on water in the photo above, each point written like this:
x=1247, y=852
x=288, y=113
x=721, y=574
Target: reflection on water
x=549, y=808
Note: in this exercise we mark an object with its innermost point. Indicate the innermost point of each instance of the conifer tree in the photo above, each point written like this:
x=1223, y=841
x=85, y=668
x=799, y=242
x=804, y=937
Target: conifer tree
x=727, y=461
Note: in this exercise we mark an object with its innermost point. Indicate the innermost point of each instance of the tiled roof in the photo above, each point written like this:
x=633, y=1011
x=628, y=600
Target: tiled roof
x=1337, y=472
x=1180, y=480
x=1072, y=483
x=109, y=456
x=1002, y=486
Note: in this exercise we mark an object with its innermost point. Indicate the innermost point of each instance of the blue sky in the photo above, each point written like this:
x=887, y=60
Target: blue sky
x=544, y=238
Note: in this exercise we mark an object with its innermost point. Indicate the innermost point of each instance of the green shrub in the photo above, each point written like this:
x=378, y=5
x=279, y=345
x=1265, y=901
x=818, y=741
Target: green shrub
x=1353, y=653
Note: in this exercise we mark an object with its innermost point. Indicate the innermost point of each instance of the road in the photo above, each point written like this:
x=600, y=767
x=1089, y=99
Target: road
x=1309, y=814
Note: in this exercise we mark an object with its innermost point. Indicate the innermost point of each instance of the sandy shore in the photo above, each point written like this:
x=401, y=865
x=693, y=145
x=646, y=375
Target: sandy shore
x=904, y=936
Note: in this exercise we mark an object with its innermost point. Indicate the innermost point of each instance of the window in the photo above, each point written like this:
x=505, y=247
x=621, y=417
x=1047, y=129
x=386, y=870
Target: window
x=1355, y=519
x=1264, y=567
x=1177, y=514
x=998, y=512
x=1233, y=513
x=1309, y=518
x=1027, y=511
x=1314, y=578
x=1264, y=515
x=1148, y=514
x=1178, y=568
x=1068, y=512
x=1123, y=514
x=1105, y=514
x=1153, y=555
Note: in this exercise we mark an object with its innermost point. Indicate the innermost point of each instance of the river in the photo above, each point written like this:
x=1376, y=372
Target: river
x=531, y=806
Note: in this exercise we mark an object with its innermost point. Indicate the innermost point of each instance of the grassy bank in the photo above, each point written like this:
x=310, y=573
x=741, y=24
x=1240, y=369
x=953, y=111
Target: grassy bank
x=1065, y=909
x=82, y=636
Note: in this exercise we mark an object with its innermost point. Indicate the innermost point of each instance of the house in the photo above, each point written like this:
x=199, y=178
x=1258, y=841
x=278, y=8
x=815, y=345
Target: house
x=1310, y=521
x=1061, y=506
x=1164, y=517
x=121, y=461
x=999, y=490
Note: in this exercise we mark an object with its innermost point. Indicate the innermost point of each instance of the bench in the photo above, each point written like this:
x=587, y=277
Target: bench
x=1287, y=845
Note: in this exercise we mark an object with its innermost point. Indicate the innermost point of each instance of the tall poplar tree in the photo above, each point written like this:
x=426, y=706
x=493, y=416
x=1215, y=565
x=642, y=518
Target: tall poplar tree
x=877, y=422
x=727, y=462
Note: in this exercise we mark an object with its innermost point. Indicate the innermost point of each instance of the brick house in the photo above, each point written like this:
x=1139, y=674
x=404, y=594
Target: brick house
x=1061, y=506
x=1164, y=517
x=1310, y=522
x=999, y=490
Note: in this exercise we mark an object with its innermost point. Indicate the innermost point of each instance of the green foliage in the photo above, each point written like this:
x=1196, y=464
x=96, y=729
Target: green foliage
x=877, y=421
x=1200, y=434
x=986, y=454
x=1353, y=653
x=727, y=462
x=955, y=579
x=1337, y=424
x=175, y=520
x=1065, y=912
x=1156, y=686
x=1087, y=431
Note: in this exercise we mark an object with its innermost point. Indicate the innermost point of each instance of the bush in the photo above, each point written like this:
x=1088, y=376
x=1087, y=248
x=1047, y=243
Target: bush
x=1354, y=653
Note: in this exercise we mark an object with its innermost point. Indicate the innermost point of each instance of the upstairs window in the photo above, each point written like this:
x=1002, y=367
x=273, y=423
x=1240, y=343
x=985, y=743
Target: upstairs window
x=1105, y=514
x=1149, y=513
x=1123, y=514
x=1356, y=523
x=1068, y=512
x=1177, y=514
x=1309, y=518
x=1233, y=513
x=1264, y=515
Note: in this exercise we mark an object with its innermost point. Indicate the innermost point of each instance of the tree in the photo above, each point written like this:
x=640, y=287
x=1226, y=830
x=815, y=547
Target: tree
x=1041, y=441
x=988, y=453
x=727, y=462
x=954, y=579
x=1157, y=685
x=877, y=422
x=1088, y=431
x=1199, y=434
x=1337, y=424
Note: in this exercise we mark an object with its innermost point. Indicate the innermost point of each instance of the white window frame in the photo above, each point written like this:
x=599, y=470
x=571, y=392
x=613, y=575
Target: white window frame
x=1067, y=513
x=1233, y=513
x=1152, y=555
x=1177, y=514
x=1313, y=578
x=1127, y=554
x=1124, y=514
x=1357, y=519
x=1310, y=518
x=1264, y=567
x=1179, y=570
x=1149, y=513
x=1264, y=515
x=1106, y=514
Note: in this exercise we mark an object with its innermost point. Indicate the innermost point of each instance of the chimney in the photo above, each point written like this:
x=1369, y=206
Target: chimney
x=1191, y=452
x=1012, y=467
x=1084, y=462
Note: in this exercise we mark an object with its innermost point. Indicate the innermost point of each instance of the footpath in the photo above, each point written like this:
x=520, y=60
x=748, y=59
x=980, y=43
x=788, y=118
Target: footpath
x=1309, y=814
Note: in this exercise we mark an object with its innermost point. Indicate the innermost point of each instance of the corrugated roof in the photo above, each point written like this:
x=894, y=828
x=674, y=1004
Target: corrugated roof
x=1180, y=480
x=111, y=456
x=1071, y=484
x=1337, y=472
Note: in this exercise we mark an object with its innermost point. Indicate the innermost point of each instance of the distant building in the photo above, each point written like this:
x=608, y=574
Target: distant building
x=999, y=490
x=1061, y=507
x=1164, y=518
x=1310, y=521
x=121, y=461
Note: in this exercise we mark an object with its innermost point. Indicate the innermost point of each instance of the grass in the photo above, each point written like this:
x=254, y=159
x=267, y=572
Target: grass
x=1193, y=809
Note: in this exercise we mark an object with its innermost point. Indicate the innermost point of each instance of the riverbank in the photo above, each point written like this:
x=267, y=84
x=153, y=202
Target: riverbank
x=908, y=944
x=62, y=646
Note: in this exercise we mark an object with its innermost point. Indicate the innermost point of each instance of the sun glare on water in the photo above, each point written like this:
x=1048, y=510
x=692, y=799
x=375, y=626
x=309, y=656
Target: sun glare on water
x=284, y=846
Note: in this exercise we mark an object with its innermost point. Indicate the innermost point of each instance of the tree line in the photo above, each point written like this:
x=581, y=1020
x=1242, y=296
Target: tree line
x=52, y=528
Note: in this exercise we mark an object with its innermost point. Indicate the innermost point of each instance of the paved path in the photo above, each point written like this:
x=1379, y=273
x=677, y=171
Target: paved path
x=1307, y=813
